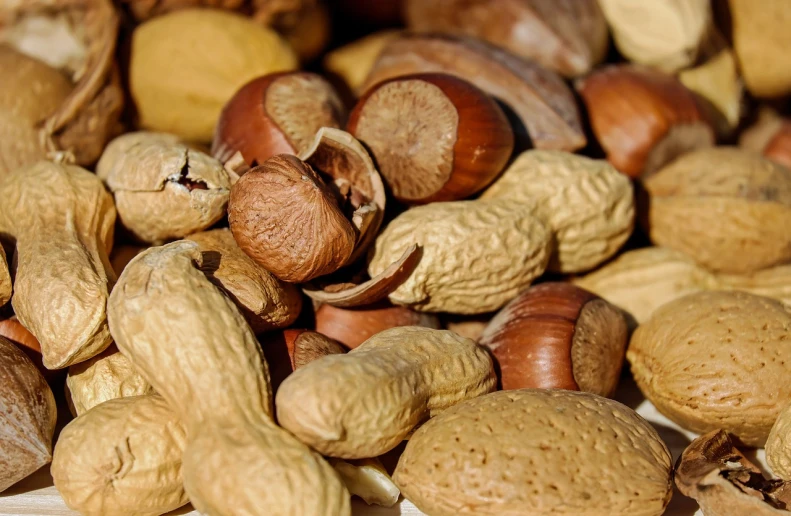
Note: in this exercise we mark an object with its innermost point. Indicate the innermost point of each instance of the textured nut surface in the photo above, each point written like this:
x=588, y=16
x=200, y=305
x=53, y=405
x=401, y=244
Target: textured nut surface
x=184, y=94
x=106, y=376
x=266, y=302
x=27, y=416
x=587, y=204
x=716, y=360
x=778, y=445
x=122, y=457
x=476, y=255
x=393, y=381
x=62, y=219
x=536, y=452
x=733, y=208
x=162, y=188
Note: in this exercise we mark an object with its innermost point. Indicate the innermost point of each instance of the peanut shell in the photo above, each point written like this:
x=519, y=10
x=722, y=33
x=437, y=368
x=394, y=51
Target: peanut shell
x=778, y=445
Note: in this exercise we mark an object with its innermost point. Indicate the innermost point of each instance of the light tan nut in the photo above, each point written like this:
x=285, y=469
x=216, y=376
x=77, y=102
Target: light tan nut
x=778, y=445
x=727, y=208
x=720, y=88
x=5, y=279
x=266, y=302
x=183, y=93
x=62, y=219
x=536, y=451
x=476, y=255
x=122, y=457
x=213, y=375
x=162, y=188
x=665, y=35
x=106, y=376
x=353, y=61
x=470, y=327
x=28, y=416
x=394, y=381
x=587, y=204
x=716, y=360
x=368, y=479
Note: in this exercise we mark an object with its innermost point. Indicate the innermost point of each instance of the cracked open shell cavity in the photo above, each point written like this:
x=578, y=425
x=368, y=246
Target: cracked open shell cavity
x=727, y=208
x=78, y=38
x=435, y=137
x=475, y=255
x=278, y=113
x=586, y=202
x=716, y=360
x=536, y=451
x=163, y=189
x=724, y=482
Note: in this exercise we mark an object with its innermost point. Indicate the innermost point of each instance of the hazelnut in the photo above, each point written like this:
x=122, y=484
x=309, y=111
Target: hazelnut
x=352, y=327
x=643, y=118
x=556, y=335
x=288, y=350
x=13, y=330
x=567, y=36
x=434, y=137
x=278, y=113
x=544, y=110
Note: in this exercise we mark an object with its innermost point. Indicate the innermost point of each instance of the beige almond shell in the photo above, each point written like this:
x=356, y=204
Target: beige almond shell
x=63, y=220
x=727, y=208
x=28, y=412
x=392, y=382
x=476, y=255
x=587, y=204
x=122, y=457
x=716, y=360
x=778, y=445
x=163, y=189
x=266, y=302
x=108, y=375
x=536, y=451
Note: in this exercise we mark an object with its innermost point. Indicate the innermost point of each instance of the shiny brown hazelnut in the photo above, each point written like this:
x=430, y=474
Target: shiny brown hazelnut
x=557, y=335
x=779, y=147
x=13, y=330
x=278, y=113
x=288, y=350
x=643, y=118
x=434, y=137
x=352, y=327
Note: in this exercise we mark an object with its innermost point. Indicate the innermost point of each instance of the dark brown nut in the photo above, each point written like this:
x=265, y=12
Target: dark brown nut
x=28, y=416
x=558, y=336
x=727, y=208
x=287, y=220
x=435, y=137
x=539, y=98
x=352, y=327
x=723, y=482
x=278, y=113
x=643, y=118
x=716, y=360
x=567, y=36
x=288, y=350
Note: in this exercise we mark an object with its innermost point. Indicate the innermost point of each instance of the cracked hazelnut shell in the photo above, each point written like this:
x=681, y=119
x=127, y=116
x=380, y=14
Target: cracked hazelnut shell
x=278, y=113
x=558, y=336
x=434, y=137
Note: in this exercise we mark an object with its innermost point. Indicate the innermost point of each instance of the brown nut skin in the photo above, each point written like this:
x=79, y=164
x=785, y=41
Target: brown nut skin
x=567, y=36
x=435, y=137
x=352, y=327
x=727, y=208
x=28, y=416
x=536, y=451
x=287, y=220
x=643, y=118
x=278, y=113
x=556, y=335
x=779, y=147
x=716, y=360
x=288, y=350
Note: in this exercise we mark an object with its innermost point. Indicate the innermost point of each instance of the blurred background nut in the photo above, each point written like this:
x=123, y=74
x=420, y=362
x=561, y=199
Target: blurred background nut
x=352, y=62
x=558, y=336
x=276, y=114
x=434, y=137
x=183, y=93
x=162, y=188
x=727, y=208
x=587, y=203
x=666, y=35
x=779, y=147
x=716, y=360
x=567, y=36
x=778, y=445
x=643, y=118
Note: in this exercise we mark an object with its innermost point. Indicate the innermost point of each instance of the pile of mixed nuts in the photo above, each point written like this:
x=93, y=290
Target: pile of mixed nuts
x=263, y=255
